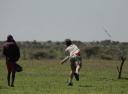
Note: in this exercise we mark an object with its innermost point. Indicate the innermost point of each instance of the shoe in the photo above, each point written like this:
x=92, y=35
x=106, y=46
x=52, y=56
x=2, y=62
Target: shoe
x=8, y=84
x=12, y=85
x=70, y=84
x=76, y=76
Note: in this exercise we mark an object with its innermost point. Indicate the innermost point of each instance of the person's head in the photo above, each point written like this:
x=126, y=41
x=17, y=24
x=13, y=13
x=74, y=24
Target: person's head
x=10, y=38
x=68, y=42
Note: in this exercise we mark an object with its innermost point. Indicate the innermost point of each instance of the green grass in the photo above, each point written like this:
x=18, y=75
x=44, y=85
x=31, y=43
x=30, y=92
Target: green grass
x=50, y=77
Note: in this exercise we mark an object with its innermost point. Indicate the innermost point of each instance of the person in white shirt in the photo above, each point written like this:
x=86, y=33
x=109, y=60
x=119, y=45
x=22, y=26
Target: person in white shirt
x=73, y=54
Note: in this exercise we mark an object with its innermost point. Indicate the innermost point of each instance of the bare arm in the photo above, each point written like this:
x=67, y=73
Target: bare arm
x=65, y=59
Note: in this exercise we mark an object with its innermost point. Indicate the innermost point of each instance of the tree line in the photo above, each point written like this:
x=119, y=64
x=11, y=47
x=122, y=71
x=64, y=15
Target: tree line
x=106, y=49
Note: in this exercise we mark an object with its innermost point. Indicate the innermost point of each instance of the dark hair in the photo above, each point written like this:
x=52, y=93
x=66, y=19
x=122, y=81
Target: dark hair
x=68, y=42
x=10, y=38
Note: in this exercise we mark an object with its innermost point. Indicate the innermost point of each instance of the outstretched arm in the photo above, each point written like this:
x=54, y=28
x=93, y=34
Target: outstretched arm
x=65, y=59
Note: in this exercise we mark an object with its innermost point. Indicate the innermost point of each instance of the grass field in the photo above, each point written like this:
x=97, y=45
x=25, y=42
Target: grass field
x=50, y=77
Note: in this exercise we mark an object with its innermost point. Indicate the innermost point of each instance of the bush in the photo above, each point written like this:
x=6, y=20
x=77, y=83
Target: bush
x=41, y=55
x=106, y=57
x=91, y=51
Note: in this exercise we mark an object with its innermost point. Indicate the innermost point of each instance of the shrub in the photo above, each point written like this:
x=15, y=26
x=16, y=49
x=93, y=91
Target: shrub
x=41, y=55
x=106, y=57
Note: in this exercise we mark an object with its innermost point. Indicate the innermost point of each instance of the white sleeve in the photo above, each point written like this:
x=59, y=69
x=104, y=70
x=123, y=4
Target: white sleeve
x=66, y=52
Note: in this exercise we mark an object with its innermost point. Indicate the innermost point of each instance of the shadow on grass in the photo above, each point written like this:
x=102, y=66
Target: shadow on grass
x=86, y=86
x=123, y=78
x=112, y=79
x=106, y=79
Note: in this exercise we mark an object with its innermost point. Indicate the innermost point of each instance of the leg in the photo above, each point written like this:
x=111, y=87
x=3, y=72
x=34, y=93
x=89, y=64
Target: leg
x=78, y=67
x=78, y=63
x=71, y=73
x=8, y=78
x=71, y=78
x=9, y=72
x=13, y=78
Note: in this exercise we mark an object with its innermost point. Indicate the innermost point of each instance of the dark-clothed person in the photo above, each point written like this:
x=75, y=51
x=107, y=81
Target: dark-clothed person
x=12, y=53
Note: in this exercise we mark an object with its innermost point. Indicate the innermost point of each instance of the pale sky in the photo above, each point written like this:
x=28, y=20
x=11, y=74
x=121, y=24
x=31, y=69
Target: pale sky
x=56, y=20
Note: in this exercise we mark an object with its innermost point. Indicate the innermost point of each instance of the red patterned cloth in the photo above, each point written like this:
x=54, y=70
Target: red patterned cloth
x=11, y=66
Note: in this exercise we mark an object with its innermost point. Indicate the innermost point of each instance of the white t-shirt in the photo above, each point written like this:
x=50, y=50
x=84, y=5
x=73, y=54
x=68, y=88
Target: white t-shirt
x=72, y=50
